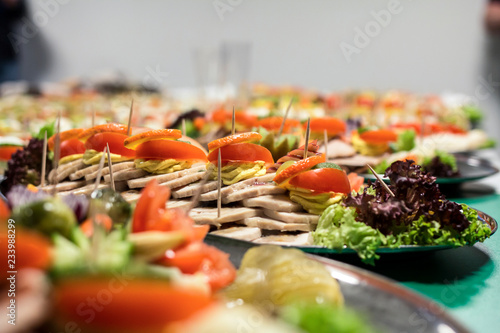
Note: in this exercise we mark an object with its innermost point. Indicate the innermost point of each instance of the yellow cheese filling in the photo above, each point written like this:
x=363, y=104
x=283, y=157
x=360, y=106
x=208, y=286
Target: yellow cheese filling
x=93, y=157
x=235, y=172
x=162, y=166
x=312, y=202
x=70, y=158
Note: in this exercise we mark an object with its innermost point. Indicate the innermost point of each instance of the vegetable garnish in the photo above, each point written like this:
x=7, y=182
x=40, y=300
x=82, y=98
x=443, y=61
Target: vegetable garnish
x=138, y=304
x=332, y=125
x=65, y=135
x=169, y=149
x=193, y=255
x=115, y=140
x=241, y=152
x=232, y=139
x=418, y=214
x=274, y=124
x=298, y=167
x=103, y=128
x=380, y=136
x=161, y=134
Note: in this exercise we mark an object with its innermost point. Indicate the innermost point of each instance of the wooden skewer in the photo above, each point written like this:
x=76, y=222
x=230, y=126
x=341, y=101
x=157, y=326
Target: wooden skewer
x=184, y=126
x=284, y=118
x=219, y=185
x=384, y=185
x=99, y=171
x=44, y=160
x=307, y=138
x=325, y=138
x=110, y=166
x=57, y=152
x=93, y=117
x=130, y=118
x=233, y=121
x=196, y=196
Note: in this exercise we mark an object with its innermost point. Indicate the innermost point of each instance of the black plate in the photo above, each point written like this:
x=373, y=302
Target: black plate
x=387, y=305
x=470, y=168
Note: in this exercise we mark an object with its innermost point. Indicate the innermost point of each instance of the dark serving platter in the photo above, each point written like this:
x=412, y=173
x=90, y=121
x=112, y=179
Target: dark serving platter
x=387, y=305
x=470, y=167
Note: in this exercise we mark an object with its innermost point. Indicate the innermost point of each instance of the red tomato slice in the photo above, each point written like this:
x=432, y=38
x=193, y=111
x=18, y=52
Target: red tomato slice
x=322, y=181
x=71, y=147
x=379, y=136
x=115, y=140
x=123, y=304
x=7, y=151
x=355, y=181
x=166, y=149
x=241, y=152
x=333, y=126
x=151, y=214
x=200, y=257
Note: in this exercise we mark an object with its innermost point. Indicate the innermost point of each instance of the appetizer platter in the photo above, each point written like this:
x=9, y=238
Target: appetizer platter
x=161, y=276
x=468, y=167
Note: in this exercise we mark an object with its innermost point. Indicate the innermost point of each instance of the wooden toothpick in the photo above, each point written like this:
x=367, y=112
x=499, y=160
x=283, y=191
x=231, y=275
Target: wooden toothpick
x=219, y=185
x=57, y=152
x=99, y=171
x=307, y=137
x=384, y=185
x=93, y=117
x=184, y=126
x=110, y=166
x=44, y=160
x=233, y=121
x=130, y=118
x=325, y=138
x=284, y=118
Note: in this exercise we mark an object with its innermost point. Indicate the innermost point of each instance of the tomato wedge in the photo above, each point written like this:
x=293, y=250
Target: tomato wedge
x=322, y=180
x=63, y=136
x=380, y=136
x=7, y=151
x=151, y=214
x=115, y=140
x=71, y=147
x=241, y=153
x=333, y=126
x=236, y=138
x=121, y=304
x=200, y=257
x=298, y=167
x=161, y=134
x=166, y=149
x=355, y=181
x=274, y=124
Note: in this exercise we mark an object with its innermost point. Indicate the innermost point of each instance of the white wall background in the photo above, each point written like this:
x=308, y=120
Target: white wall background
x=428, y=47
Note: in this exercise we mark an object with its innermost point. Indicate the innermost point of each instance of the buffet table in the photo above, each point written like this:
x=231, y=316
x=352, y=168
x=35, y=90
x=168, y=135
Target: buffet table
x=465, y=281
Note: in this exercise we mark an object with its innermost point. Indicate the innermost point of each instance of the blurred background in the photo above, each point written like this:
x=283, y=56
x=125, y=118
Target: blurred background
x=424, y=46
